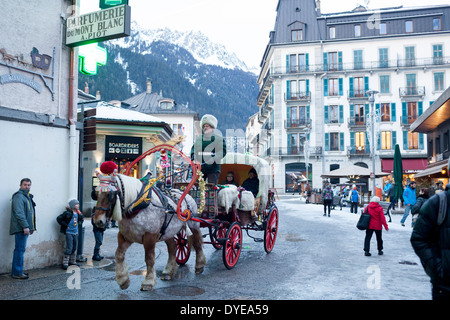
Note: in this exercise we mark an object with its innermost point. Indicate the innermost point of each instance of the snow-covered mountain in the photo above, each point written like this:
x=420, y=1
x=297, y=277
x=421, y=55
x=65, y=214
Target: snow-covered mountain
x=199, y=45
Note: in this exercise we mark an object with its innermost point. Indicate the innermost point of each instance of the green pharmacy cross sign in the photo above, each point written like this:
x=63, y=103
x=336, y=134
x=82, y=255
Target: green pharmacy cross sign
x=104, y=4
x=91, y=55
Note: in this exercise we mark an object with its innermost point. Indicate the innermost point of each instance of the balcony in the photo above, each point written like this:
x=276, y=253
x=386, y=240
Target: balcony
x=297, y=123
x=408, y=119
x=412, y=92
x=356, y=123
x=358, y=151
x=291, y=151
x=298, y=96
x=358, y=94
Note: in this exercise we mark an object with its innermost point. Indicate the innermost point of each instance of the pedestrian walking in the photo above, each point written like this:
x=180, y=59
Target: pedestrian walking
x=430, y=240
x=423, y=196
x=354, y=200
x=409, y=197
x=23, y=224
x=377, y=221
x=392, y=199
x=327, y=196
x=69, y=220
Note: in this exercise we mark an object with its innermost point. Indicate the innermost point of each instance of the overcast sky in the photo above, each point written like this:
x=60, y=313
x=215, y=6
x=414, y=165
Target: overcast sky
x=242, y=26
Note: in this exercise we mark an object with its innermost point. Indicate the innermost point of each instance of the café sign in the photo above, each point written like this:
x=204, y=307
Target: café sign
x=98, y=26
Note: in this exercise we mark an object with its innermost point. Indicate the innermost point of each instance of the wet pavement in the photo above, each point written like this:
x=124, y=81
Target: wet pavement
x=315, y=257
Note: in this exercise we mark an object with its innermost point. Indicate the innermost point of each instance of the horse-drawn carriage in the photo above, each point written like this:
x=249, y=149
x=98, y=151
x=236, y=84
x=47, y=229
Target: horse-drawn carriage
x=147, y=214
x=226, y=213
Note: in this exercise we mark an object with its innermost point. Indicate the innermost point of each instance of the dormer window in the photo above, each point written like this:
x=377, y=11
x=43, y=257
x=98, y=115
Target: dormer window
x=297, y=35
x=166, y=104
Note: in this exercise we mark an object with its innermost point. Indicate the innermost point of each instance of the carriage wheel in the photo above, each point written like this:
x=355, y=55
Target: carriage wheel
x=232, y=246
x=183, y=247
x=270, y=233
x=215, y=233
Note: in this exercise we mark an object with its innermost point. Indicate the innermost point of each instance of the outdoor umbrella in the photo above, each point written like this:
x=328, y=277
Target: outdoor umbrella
x=398, y=174
x=351, y=171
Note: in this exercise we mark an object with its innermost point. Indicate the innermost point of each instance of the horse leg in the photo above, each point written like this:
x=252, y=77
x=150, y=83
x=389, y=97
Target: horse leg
x=149, y=242
x=171, y=267
x=197, y=243
x=122, y=277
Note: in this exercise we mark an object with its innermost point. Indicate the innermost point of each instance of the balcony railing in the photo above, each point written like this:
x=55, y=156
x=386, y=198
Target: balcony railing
x=357, y=94
x=297, y=123
x=298, y=96
x=412, y=91
x=408, y=119
x=356, y=121
x=358, y=150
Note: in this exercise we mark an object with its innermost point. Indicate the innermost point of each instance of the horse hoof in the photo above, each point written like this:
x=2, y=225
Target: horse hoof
x=166, y=277
x=199, y=270
x=146, y=287
x=125, y=285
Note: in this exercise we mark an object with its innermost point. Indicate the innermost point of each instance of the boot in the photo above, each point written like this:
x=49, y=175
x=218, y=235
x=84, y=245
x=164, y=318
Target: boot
x=65, y=263
x=97, y=256
x=73, y=260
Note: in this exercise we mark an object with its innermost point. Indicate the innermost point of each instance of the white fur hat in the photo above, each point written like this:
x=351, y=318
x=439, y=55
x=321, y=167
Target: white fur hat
x=208, y=119
x=375, y=199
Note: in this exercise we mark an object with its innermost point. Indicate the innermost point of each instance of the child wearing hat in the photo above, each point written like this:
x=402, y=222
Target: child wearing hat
x=69, y=221
x=209, y=148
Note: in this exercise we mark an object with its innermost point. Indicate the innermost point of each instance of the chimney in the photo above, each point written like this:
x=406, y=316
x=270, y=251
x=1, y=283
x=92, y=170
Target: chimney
x=86, y=88
x=97, y=95
x=318, y=6
x=149, y=86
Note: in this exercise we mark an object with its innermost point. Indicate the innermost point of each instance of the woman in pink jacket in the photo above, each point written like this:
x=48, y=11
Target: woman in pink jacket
x=377, y=221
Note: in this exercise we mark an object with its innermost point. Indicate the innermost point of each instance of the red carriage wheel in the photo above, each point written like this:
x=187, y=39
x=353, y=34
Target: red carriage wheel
x=215, y=233
x=233, y=245
x=183, y=247
x=270, y=232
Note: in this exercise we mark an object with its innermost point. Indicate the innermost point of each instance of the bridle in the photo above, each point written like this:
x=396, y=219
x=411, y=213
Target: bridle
x=108, y=185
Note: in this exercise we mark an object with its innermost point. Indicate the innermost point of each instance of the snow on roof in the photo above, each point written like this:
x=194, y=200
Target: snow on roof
x=110, y=112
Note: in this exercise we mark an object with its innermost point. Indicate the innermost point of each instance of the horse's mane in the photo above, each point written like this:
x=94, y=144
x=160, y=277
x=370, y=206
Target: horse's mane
x=130, y=188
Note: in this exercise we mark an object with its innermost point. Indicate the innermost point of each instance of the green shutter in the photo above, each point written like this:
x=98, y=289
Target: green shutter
x=405, y=140
x=307, y=86
x=379, y=140
x=325, y=87
x=307, y=61
x=288, y=89
x=420, y=108
x=404, y=114
x=327, y=142
x=341, y=114
x=350, y=84
x=341, y=141
x=326, y=114
x=340, y=60
x=341, y=86
x=393, y=112
x=325, y=61
x=378, y=111
x=421, y=144
x=287, y=64
x=307, y=112
x=366, y=84
x=393, y=139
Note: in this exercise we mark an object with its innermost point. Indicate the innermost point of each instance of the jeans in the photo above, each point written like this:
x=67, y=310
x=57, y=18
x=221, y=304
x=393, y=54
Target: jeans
x=327, y=204
x=19, y=250
x=353, y=207
x=405, y=215
x=71, y=244
x=369, y=233
x=98, y=236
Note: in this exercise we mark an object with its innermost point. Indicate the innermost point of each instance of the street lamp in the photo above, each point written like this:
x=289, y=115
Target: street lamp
x=371, y=94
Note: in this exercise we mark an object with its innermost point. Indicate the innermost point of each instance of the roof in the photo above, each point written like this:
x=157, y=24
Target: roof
x=106, y=111
x=149, y=103
x=434, y=115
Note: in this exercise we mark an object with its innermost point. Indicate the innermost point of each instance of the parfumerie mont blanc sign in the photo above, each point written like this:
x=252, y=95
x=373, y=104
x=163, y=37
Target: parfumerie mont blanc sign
x=98, y=26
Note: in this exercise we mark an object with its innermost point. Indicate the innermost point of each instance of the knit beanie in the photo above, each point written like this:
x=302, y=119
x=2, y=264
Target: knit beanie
x=73, y=203
x=375, y=199
x=208, y=119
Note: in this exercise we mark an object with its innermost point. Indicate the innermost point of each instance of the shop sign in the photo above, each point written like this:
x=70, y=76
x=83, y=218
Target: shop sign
x=98, y=26
x=18, y=78
x=123, y=147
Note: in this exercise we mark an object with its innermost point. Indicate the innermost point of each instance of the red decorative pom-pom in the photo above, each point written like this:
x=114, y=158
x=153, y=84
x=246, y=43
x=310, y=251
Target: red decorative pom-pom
x=108, y=167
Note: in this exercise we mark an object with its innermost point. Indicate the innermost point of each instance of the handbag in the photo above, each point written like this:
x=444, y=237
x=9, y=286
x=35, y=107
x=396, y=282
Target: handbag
x=364, y=220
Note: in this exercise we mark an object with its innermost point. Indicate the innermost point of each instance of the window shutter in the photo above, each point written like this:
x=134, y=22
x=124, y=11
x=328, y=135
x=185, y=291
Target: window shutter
x=379, y=141
x=352, y=112
x=350, y=84
x=325, y=61
x=307, y=61
x=340, y=60
x=378, y=111
x=341, y=86
x=326, y=114
x=307, y=112
x=341, y=114
x=404, y=114
x=287, y=64
x=366, y=112
x=352, y=141
x=307, y=87
x=341, y=141
x=393, y=112
x=288, y=90
x=325, y=87
x=405, y=140
x=419, y=108
x=393, y=139
x=421, y=144
x=366, y=83
x=327, y=142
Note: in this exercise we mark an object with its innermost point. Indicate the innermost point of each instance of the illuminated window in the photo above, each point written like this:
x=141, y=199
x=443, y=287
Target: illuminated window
x=386, y=140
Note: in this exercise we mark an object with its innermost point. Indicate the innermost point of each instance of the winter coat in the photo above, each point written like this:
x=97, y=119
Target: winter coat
x=391, y=194
x=377, y=219
x=64, y=219
x=409, y=196
x=209, y=150
x=354, y=196
x=23, y=214
x=251, y=185
x=432, y=243
x=420, y=201
x=327, y=194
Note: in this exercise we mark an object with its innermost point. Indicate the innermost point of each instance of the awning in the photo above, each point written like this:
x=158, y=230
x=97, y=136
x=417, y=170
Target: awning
x=436, y=169
x=409, y=165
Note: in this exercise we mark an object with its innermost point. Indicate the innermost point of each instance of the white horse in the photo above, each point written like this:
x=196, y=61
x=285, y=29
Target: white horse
x=147, y=227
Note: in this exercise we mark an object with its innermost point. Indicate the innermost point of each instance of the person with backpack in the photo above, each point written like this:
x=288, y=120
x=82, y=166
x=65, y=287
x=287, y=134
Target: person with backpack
x=327, y=196
x=430, y=240
x=409, y=196
x=354, y=200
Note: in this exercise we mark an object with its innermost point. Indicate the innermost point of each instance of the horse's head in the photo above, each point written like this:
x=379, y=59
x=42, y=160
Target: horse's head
x=106, y=193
